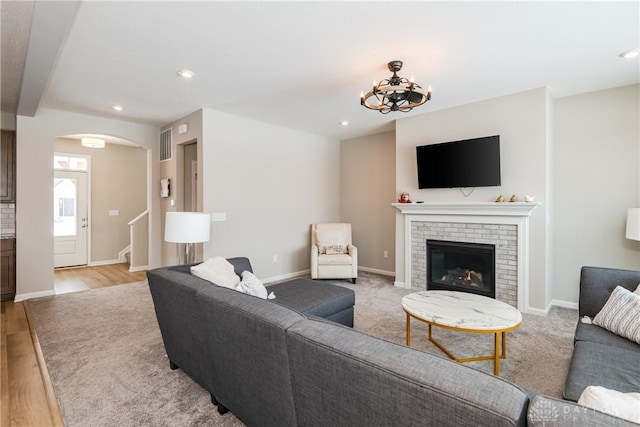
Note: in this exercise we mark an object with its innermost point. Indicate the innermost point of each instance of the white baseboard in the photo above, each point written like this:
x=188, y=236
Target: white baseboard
x=107, y=262
x=399, y=284
x=286, y=276
x=553, y=303
x=139, y=268
x=564, y=304
x=377, y=271
x=122, y=254
x=30, y=295
x=538, y=311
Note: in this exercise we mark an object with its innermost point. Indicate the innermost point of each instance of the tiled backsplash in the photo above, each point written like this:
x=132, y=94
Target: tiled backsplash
x=8, y=219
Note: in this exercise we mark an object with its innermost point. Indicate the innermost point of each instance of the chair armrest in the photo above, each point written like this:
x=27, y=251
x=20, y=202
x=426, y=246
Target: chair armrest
x=315, y=250
x=353, y=251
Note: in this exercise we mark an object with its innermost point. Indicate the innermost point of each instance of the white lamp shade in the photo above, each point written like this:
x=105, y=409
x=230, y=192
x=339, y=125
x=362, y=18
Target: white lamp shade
x=187, y=227
x=633, y=224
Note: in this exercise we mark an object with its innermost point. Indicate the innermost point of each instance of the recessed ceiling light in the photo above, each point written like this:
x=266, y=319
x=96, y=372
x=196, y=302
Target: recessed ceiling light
x=117, y=107
x=343, y=122
x=186, y=74
x=629, y=54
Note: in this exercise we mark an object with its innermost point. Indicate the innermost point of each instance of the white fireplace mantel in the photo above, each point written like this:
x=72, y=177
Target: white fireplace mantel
x=472, y=208
x=515, y=213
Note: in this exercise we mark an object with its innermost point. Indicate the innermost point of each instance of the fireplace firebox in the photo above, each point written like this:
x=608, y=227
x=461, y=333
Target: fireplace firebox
x=461, y=266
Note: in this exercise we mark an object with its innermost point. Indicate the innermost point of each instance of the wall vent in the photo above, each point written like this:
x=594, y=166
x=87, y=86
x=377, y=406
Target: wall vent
x=166, y=146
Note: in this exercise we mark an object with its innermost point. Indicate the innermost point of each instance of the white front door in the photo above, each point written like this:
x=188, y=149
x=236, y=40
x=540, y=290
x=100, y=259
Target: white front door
x=70, y=219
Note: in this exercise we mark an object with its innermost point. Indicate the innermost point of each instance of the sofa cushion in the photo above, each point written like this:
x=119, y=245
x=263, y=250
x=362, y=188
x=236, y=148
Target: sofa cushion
x=330, y=236
x=547, y=412
x=313, y=298
x=342, y=377
x=174, y=292
x=595, y=333
x=247, y=357
x=335, y=250
x=341, y=259
x=602, y=365
x=251, y=285
x=597, y=283
x=621, y=314
x=217, y=270
x=623, y=405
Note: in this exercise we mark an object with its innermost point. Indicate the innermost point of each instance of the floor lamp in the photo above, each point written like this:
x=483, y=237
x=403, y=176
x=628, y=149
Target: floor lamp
x=188, y=228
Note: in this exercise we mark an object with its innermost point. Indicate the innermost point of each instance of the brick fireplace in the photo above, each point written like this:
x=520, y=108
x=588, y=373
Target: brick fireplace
x=461, y=266
x=503, y=225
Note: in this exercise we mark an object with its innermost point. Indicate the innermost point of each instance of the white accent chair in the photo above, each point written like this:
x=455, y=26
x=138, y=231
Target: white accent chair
x=333, y=255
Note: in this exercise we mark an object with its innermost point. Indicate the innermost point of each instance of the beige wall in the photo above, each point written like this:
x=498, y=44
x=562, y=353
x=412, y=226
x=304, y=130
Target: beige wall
x=174, y=170
x=521, y=120
x=367, y=189
x=7, y=121
x=34, y=222
x=596, y=178
x=118, y=182
x=272, y=183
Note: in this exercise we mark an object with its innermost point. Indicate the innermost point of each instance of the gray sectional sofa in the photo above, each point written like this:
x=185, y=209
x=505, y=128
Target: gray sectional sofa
x=599, y=356
x=295, y=361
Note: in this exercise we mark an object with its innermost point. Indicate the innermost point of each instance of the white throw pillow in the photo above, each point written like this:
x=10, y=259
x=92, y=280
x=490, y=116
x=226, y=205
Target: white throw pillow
x=335, y=250
x=621, y=314
x=330, y=238
x=613, y=402
x=217, y=270
x=251, y=285
x=637, y=291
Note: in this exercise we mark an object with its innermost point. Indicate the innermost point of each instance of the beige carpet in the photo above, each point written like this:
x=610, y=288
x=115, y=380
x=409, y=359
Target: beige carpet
x=106, y=360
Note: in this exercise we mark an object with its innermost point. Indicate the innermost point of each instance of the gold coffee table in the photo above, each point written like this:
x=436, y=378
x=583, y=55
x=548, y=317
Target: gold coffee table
x=465, y=312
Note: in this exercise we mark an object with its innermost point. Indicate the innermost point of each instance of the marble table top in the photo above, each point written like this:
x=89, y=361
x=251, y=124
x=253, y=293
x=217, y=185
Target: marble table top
x=462, y=310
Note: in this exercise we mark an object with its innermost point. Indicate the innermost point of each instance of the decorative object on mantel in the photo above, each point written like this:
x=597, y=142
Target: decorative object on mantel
x=633, y=224
x=500, y=199
x=404, y=198
x=528, y=198
x=395, y=93
x=513, y=198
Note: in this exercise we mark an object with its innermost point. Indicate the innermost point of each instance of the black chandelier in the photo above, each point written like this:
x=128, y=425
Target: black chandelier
x=395, y=93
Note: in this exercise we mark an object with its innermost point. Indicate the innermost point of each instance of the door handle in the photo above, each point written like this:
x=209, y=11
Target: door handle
x=83, y=219
x=83, y=225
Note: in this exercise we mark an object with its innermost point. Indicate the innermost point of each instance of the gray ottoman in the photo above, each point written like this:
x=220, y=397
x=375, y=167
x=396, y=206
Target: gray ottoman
x=316, y=298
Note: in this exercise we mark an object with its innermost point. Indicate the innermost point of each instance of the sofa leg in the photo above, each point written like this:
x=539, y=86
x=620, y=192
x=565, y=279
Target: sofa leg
x=173, y=366
x=221, y=409
x=353, y=280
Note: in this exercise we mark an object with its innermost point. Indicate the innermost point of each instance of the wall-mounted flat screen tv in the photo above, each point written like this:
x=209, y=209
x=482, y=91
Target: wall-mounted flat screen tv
x=467, y=163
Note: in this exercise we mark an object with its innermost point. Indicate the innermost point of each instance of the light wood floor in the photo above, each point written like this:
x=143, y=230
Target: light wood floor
x=23, y=391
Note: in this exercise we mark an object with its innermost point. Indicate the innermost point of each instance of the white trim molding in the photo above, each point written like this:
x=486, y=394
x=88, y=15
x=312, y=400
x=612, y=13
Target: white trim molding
x=286, y=276
x=31, y=295
x=138, y=268
x=377, y=271
x=475, y=213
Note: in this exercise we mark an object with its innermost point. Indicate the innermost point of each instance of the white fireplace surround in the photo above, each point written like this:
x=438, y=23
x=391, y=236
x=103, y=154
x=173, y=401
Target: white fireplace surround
x=474, y=213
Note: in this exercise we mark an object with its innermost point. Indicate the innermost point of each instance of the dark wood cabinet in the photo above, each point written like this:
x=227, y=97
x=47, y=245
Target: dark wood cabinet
x=8, y=167
x=8, y=268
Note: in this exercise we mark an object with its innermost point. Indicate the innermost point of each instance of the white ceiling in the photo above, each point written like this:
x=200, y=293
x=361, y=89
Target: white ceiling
x=303, y=65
